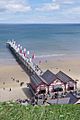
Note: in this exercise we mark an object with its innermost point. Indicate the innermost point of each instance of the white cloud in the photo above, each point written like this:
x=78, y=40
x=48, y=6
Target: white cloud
x=54, y=5
x=75, y=10
x=18, y=7
x=48, y=7
x=68, y=1
x=14, y=6
x=63, y=1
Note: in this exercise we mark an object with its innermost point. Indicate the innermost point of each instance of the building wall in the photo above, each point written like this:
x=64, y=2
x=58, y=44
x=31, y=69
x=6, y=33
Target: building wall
x=52, y=85
x=56, y=83
x=42, y=86
x=70, y=84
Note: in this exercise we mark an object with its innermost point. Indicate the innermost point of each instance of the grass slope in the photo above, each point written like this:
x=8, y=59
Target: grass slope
x=13, y=111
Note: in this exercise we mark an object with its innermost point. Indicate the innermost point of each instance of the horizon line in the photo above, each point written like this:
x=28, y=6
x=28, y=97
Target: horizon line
x=40, y=23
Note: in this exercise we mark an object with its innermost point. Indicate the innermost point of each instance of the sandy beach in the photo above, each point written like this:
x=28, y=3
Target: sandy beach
x=68, y=64
x=12, y=75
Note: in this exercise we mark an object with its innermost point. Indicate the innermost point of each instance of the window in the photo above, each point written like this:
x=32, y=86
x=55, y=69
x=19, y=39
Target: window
x=42, y=91
x=58, y=89
x=70, y=86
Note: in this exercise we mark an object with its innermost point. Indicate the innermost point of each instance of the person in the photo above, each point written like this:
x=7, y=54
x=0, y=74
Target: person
x=4, y=83
x=44, y=100
x=40, y=62
x=3, y=88
x=10, y=89
x=45, y=61
x=33, y=101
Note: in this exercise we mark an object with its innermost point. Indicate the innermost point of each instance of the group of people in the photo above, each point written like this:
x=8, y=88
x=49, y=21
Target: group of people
x=36, y=100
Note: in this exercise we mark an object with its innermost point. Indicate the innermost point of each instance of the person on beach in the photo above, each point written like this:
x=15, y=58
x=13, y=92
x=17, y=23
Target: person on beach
x=45, y=61
x=40, y=62
x=3, y=88
x=10, y=89
x=3, y=83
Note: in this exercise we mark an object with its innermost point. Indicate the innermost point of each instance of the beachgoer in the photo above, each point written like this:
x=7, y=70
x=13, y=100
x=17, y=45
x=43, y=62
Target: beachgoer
x=40, y=62
x=10, y=89
x=4, y=83
x=17, y=81
x=45, y=61
x=3, y=88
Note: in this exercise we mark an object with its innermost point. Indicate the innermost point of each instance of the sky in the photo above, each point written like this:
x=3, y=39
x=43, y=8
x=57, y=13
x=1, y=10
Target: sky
x=39, y=11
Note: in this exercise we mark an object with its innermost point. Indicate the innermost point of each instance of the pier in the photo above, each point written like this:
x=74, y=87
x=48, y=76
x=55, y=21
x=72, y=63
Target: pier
x=26, y=62
x=21, y=57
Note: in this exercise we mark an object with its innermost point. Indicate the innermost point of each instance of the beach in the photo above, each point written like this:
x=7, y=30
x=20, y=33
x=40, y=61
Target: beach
x=12, y=75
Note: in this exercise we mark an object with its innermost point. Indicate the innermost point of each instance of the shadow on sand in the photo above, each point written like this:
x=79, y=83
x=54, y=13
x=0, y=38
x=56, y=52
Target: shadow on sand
x=27, y=92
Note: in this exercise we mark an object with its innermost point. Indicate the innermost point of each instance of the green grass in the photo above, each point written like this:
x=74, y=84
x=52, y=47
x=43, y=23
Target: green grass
x=13, y=111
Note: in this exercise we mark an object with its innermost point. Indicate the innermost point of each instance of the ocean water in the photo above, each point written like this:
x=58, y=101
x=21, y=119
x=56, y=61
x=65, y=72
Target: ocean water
x=41, y=39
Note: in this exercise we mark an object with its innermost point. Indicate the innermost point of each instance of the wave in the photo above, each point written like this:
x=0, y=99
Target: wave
x=66, y=33
x=52, y=55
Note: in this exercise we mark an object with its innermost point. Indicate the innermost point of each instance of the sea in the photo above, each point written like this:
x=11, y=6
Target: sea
x=45, y=40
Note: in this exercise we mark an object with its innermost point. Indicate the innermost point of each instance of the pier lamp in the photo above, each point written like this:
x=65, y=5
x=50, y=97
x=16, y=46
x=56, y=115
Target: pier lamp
x=18, y=45
x=33, y=56
x=18, y=49
x=21, y=47
x=24, y=52
x=27, y=52
x=24, y=49
x=30, y=59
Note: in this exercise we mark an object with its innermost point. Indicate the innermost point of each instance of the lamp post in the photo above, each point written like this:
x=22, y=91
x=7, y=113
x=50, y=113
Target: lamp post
x=57, y=97
x=76, y=84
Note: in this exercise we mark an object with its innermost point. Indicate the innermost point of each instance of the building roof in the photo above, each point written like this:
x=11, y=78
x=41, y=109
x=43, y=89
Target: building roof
x=49, y=77
x=70, y=98
x=73, y=98
x=36, y=80
x=59, y=101
x=63, y=77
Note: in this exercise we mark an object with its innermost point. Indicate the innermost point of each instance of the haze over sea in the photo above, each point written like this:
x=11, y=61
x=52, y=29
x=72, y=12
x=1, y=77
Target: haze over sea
x=41, y=39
